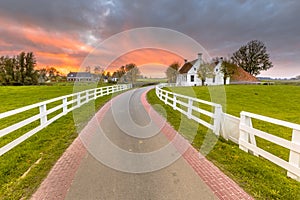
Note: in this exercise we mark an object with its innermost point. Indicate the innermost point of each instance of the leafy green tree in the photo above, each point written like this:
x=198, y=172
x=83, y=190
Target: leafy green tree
x=172, y=72
x=21, y=61
x=18, y=70
x=252, y=57
x=31, y=74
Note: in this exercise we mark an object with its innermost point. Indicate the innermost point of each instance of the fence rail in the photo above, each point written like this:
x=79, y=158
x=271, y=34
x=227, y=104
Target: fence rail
x=247, y=142
x=172, y=99
x=240, y=130
x=67, y=104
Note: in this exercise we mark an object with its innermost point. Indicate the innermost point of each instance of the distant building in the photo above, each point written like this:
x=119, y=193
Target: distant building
x=82, y=76
x=115, y=79
x=188, y=74
x=264, y=78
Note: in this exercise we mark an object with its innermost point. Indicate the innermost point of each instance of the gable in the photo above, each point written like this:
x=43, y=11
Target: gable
x=187, y=66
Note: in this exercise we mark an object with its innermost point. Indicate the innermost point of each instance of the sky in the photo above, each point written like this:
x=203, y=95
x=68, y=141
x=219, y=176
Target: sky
x=64, y=33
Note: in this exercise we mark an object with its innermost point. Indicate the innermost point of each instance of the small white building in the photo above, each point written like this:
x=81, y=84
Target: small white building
x=82, y=76
x=188, y=74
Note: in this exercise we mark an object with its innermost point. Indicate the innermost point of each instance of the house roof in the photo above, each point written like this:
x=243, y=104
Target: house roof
x=241, y=75
x=187, y=66
x=80, y=74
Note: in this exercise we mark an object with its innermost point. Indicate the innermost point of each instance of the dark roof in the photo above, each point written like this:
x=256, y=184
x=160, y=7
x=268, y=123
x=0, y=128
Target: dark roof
x=241, y=75
x=80, y=74
x=187, y=66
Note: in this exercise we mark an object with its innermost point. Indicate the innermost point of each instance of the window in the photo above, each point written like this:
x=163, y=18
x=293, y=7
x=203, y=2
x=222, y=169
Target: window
x=192, y=78
x=194, y=68
x=214, y=79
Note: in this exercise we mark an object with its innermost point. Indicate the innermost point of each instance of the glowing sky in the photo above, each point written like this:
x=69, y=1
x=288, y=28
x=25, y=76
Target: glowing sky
x=63, y=33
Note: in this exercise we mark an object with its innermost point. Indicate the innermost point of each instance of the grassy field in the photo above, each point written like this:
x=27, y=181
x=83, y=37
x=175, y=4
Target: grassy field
x=259, y=177
x=47, y=145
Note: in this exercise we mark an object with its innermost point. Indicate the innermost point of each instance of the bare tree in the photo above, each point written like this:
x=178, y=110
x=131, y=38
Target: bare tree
x=228, y=68
x=132, y=71
x=172, y=72
x=205, y=71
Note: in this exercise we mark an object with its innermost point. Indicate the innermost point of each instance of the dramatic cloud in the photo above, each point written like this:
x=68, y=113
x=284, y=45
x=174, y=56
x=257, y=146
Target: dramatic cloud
x=64, y=32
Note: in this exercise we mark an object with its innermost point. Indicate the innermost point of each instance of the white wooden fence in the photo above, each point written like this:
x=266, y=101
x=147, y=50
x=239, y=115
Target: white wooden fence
x=240, y=130
x=247, y=142
x=67, y=104
x=172, y=99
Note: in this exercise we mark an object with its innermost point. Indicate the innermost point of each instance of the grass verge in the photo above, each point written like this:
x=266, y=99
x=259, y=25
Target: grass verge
x=259, y=177
x=46, y=146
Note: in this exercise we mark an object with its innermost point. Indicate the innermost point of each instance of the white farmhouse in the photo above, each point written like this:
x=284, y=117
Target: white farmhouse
x=188, y=74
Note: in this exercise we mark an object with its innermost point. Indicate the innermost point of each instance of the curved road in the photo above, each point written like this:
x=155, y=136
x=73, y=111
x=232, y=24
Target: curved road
x=129, y=158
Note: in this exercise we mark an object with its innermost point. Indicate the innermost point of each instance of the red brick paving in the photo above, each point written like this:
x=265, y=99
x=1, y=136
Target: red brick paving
x=59, y=180
x=221, y=185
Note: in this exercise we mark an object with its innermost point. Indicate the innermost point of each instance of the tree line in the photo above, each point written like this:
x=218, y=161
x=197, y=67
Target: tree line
x=20, y=70
x=127, y=73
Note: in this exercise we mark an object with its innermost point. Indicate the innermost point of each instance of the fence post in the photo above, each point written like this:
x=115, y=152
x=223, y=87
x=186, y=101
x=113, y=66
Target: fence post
x=243, y=134
x=166, y=97
x=95, y=93
x=189, y=111
x=43, y=113
x=65, y=106
x=295, y=156
x=157, y=91
x=248, y=122
x=217, y=119
x=87, y=96
x=78, y=100
x=174, y=101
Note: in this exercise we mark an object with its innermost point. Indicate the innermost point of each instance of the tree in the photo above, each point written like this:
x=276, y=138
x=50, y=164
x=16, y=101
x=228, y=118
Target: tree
x=42, y=75
x=31, y=76
x=228, y=68
x=252, y=57
x=88, y=69
x=98, y=70
x=21, y=60
x=108, y=74
x=18, y=70
x=52, y=73
x=172, y=72
x=132, y=71
x=205, y=71
x=119, y=73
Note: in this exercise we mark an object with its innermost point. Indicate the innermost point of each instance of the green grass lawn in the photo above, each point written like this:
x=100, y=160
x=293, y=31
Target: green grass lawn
x=47, y=145
x=259, y=177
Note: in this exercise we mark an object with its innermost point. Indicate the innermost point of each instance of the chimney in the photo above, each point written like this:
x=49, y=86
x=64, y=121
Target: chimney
x=200, y=57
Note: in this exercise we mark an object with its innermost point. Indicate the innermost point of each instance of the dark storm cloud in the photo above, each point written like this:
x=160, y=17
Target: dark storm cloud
x=220, y=26
x=66, y=15
x=216, y=24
